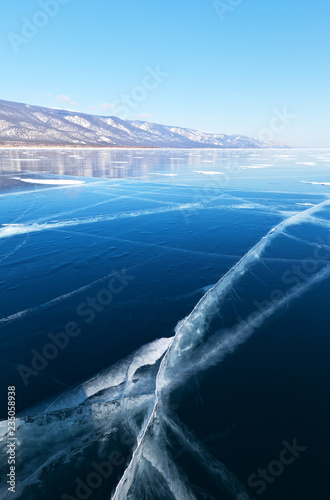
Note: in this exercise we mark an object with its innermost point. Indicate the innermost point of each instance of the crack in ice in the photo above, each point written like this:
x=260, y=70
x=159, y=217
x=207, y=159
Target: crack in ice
x=185, y=338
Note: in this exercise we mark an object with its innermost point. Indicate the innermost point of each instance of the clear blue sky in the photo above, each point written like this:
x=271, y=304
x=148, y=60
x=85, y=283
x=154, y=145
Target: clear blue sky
x=224, y=75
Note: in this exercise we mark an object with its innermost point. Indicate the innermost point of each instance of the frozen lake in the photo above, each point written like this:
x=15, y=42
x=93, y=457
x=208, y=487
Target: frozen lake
x=165, y=312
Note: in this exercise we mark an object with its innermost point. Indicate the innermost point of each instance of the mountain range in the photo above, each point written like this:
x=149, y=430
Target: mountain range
x=26, y=125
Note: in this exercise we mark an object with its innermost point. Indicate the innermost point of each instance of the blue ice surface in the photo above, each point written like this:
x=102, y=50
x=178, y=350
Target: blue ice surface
x=161, y=214
x=176, y=228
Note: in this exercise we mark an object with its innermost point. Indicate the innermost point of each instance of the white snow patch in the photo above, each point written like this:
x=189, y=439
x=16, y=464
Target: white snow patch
x=316, y=183
x=208, y=172
x=166, y=175
x=257, y=166
x=53, y=182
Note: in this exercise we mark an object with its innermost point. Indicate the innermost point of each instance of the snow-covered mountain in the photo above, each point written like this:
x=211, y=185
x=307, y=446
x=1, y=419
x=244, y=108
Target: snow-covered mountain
x=22, y=124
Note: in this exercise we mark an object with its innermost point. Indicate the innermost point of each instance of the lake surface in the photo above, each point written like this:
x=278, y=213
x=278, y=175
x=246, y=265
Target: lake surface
x=165, y=321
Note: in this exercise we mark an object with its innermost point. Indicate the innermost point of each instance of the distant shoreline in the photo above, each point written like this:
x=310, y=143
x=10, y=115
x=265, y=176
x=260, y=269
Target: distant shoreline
x=89, y=146
x=77, y=146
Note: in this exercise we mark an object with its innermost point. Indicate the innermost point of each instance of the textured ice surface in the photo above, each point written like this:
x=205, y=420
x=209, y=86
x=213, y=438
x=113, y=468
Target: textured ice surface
x=125, y=384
